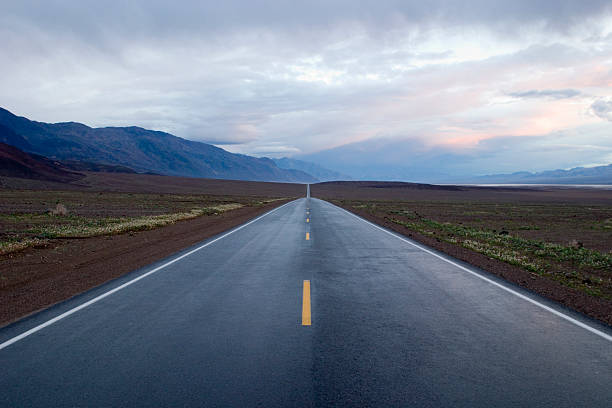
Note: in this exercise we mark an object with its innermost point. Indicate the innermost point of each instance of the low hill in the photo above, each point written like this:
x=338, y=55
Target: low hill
x=140, y=149
x=95, y=167
x=16, y=163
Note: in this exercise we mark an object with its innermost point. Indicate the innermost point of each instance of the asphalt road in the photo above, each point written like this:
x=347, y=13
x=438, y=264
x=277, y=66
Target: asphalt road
x=227, y=324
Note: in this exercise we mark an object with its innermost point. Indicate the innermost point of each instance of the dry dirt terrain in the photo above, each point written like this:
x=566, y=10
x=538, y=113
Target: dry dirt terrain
x=144, y=183
x=554, y=241
x=58, y=240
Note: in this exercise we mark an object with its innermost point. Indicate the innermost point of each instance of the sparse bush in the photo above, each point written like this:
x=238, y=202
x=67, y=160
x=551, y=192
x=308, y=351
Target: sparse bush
x=7, y=247
x=542, y=258
x=59, y=210
x=575, y=244
x=39, y=228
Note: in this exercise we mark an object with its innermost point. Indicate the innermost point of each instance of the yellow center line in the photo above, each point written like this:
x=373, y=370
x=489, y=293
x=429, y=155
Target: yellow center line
x=307, y=219
x=308, y=236
x=306, y=304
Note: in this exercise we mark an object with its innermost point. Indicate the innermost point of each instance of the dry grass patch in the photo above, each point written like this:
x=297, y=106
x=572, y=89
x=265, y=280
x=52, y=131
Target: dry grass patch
x=31, y=218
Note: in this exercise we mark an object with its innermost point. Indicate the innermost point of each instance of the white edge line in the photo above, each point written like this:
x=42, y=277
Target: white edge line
x=484, y=278
x=125, y=285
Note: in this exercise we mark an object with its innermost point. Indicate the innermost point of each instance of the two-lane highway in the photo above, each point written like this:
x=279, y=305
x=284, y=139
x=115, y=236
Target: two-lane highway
x=306, y=306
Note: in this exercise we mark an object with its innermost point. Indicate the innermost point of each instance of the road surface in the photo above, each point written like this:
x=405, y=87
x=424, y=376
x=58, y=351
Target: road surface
x=306, y=306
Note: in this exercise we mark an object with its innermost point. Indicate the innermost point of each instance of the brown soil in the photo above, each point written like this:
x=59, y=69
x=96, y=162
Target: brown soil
x=39, y=277
x=552, y=214
x=597, y=308
x=390, y=191
x=145, y=183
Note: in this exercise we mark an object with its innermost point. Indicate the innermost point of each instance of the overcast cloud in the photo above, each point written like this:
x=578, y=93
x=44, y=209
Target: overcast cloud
x=282, y=78
x=603, y=109
x=548, y=93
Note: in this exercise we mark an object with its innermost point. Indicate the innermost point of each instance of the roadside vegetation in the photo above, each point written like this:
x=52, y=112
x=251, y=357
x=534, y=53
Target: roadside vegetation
x=34, y=218
x=570, y=244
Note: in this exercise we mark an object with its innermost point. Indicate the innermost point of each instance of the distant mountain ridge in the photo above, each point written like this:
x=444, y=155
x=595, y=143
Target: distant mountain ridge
x=320, y=172
x=140, y=149
x=577, y=175
x=412, y=160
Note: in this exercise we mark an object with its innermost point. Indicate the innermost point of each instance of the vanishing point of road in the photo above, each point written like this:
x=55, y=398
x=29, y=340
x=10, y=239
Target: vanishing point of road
x=306, y=306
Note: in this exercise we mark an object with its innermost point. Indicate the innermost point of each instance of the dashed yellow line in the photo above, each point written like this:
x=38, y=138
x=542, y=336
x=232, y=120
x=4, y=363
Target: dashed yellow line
x=306, y=320
x=307, y=219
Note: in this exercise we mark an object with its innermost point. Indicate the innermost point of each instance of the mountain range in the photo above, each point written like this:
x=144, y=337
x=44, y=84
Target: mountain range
x=139, y=149
x=77, y=147
x=411, y=160
x=319, y=172
x=577, y=175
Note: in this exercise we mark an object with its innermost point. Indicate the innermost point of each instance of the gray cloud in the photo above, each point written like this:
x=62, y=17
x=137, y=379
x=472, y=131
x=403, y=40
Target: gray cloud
x=603, y=109
x=547, y=93
x=282, y=77
x=161, y=17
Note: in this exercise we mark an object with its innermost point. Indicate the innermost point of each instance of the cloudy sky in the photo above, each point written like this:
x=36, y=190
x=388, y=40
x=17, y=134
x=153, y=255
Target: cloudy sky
x=482, y=86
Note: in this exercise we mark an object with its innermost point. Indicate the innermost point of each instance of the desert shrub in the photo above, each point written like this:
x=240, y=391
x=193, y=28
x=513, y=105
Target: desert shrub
x=59, y=210
x=574, y=243
x=7, y=247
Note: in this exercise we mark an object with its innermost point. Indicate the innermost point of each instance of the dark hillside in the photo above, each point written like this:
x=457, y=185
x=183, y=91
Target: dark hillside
x=16, y=163
x=140, y=149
